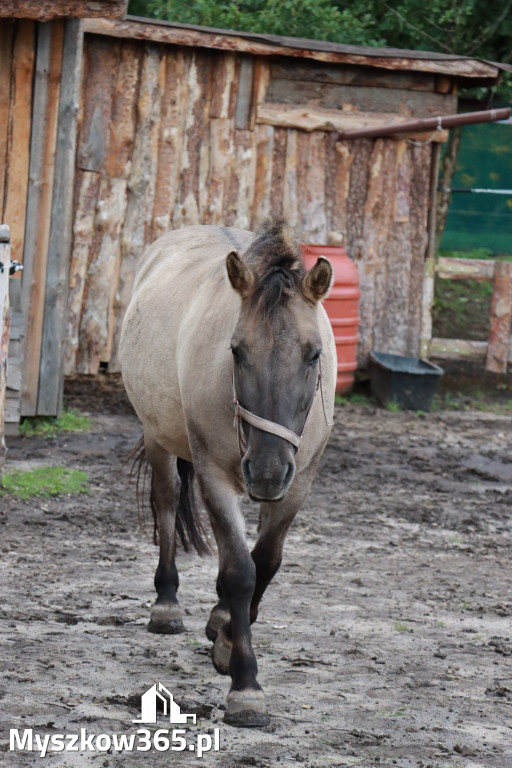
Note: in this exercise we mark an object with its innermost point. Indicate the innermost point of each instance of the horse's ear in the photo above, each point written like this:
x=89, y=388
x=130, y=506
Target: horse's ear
x=317, y=283
x=239, y=274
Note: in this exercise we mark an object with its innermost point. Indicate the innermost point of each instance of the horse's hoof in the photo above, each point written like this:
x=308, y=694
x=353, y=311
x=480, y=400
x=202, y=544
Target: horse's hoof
x=174, y=627
x=221, y=653
x=246, y=709
x=166, y=619
x=218, y=617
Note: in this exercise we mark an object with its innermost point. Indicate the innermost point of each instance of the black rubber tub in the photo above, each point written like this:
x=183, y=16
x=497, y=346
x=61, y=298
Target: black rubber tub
x=407, y=381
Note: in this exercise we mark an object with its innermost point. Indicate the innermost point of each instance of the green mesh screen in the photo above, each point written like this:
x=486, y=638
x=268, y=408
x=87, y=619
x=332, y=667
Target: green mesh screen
x=482, y=220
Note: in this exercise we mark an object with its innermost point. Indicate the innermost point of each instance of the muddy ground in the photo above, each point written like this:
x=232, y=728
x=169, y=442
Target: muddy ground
x=385, y=639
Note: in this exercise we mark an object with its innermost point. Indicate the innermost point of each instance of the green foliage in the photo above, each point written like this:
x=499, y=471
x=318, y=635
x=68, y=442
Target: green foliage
x=44, y=481
x=70, y=421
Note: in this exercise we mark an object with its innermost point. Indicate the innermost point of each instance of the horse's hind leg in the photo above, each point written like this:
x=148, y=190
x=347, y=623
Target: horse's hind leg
x=166, y=615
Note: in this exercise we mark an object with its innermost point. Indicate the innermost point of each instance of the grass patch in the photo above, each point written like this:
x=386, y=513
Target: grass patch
x=48, y=426
x=401, y=626
x=44, y=481
x=356, y=398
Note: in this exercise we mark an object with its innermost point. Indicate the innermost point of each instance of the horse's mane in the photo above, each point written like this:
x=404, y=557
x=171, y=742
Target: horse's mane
x=276, y=260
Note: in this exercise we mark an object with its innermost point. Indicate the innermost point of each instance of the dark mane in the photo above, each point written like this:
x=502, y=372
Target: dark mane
x=276, y=259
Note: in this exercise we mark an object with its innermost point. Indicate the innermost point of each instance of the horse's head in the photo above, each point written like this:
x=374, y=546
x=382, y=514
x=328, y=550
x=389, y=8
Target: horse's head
x=276, y=350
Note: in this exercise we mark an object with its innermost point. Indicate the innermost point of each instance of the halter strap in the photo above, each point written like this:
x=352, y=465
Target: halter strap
x=271, y=426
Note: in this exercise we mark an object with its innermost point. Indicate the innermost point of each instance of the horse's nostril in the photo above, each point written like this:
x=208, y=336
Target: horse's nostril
x=246, y=471
x=287, y=475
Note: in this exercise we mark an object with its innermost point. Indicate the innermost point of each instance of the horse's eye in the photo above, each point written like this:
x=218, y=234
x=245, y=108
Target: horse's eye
x=236, y=356
x=316, y=357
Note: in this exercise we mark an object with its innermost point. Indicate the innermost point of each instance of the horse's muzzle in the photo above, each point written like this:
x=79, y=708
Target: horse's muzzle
x=267, y=481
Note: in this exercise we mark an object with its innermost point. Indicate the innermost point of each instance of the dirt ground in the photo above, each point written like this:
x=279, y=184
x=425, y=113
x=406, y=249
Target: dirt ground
x=385, y=639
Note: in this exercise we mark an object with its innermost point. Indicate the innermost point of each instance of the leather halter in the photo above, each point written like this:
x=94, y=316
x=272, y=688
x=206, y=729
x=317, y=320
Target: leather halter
x=242, y=414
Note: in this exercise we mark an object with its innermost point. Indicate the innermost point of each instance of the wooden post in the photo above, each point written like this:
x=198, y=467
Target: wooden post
x=430, y=260
x=51, y=378
x=501, y=317
x=5, y=259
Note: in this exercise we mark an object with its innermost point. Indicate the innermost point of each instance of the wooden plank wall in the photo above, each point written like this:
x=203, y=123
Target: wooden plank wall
x=170, y=137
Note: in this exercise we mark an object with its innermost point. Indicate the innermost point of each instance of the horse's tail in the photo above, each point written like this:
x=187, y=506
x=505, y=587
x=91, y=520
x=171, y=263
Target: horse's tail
x=189, y=528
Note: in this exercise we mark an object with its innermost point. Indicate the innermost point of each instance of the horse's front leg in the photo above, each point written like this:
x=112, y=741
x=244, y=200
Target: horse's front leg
x=166, y=615
x=275, y=520
x=236, y=581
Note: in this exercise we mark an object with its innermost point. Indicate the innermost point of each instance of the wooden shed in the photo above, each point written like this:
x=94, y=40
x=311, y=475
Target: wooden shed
x=166, y=125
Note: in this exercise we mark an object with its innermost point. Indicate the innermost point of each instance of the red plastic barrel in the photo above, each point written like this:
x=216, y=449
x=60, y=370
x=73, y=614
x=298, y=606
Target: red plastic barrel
x=342, y=307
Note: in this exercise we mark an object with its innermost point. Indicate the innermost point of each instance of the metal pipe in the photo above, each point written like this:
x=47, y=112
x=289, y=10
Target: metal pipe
x=480, y=191
x=428, y=124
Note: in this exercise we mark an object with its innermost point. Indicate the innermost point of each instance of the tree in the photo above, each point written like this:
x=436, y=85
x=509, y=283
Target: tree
x=464, y=27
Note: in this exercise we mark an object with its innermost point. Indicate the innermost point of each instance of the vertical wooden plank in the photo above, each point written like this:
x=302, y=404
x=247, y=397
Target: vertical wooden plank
x=39, y=201
x=192, y=200
x=141, y=190
x=290, y=203
x=301, y=180
x=277, y=183
x=223, y=76
x=315, y=220
x=245, y=94
x=241, y=191
x=6, y=40
x=88, y=183
x=222, y=142
x=422, y=160
x=338, y=190
x=96, y=323
x=18, y=140
x=373, y=254
x=5, y=259
x=264, y=135
x=124, y=112
x=261, y=78
x=51, y=376
x=172, y=129
x=501, y=318
x=100, y=70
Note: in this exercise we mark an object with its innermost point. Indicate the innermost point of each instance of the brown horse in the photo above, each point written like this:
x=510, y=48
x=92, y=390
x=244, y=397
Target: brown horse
x=210, y=334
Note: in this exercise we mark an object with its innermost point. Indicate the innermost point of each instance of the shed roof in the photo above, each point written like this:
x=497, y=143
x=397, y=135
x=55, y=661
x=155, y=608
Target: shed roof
x=468, y=70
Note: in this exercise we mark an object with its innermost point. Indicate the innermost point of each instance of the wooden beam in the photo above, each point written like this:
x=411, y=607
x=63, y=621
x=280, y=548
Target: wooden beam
x=501, y=317
x=458, y=349
x=463, y=269
x=403, y=102
x=51, y=377
x=350, y=75
x=317, y=119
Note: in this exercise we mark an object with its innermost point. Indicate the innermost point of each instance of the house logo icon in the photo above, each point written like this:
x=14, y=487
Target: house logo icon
x=148, y=704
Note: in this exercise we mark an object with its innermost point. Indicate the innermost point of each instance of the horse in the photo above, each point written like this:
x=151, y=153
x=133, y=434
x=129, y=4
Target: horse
x=226, y=328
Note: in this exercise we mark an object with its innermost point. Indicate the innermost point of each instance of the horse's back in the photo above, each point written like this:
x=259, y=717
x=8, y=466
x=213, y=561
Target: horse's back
x=188, y=254
x=180, y=293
